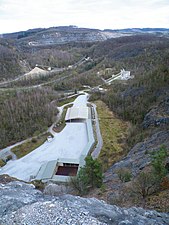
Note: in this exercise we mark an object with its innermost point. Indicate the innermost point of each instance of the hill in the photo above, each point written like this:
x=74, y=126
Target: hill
x=12, y=63
x=142, y=101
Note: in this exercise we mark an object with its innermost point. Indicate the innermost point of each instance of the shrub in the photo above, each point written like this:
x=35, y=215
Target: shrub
x=9, y=157
x=89, y=176
x=158, y=162
x=165, y=183
x=124, y=174
x=79, y=182
x=2, y=163
x=145, y=184
x=38, y=185
x=34, y=140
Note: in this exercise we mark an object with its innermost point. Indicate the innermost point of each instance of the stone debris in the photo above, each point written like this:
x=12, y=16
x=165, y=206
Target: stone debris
x=22, y=204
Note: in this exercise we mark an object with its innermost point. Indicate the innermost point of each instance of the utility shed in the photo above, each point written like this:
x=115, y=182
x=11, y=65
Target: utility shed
x=75, y=113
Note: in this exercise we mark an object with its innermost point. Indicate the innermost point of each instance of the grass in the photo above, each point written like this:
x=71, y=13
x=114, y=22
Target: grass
x=66, y=101
x=2, y=163
x=159, y=201
x=114, y=132
x=61, y=124
x=29, y=146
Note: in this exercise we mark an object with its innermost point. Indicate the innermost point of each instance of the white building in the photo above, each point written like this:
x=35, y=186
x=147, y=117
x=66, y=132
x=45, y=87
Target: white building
x=125, y=75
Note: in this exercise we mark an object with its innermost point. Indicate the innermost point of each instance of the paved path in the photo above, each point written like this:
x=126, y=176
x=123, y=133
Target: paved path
x=81, y=61
x=68, y=144
x=7, y=151
x=99, y=145
x=4, y=153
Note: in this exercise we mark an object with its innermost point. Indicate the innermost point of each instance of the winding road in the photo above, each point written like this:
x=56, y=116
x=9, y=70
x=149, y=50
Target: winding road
x=99, y=145
x=4, y=153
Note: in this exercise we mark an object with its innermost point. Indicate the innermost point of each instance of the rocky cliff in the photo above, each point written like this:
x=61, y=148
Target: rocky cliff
x=158, y=116
x=22, y=204
x=139, y=156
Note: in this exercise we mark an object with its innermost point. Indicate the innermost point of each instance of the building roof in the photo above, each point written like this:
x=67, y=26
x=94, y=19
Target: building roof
x=77, y=113
x=46, y=170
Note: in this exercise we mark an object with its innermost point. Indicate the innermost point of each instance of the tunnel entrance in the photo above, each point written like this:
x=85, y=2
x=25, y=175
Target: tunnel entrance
x=68, y=169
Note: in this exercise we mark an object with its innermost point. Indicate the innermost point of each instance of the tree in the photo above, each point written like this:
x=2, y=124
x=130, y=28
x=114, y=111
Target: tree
x=158, y=162
x=93, y=172
x=124, y=174
x=145, y=184
x=89, y=176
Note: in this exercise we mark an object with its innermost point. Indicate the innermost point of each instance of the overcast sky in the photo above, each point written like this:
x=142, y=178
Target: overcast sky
x=17, y=15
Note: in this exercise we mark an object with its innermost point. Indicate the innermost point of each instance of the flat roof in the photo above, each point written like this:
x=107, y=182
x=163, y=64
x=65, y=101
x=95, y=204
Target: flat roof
x=68, y=160
x=81, y=100
x=47, y=170
x=77, y=113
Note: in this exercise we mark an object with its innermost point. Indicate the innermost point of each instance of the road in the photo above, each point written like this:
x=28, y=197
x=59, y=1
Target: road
x=69, y=144
x=99, y=145
x=81, y=61
x=4, y=153
x=7, y=151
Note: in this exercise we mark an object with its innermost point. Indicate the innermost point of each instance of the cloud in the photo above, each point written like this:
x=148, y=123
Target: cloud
x=19, y=14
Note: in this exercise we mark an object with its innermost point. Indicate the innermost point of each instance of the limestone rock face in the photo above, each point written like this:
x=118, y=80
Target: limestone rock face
x=22, y=204
x=139, y=155
x=158, y=116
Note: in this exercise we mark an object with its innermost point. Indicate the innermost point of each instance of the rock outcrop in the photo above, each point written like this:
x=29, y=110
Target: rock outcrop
x=139, y=156
x=158, y=116
x=22, y=204
x=62, y=35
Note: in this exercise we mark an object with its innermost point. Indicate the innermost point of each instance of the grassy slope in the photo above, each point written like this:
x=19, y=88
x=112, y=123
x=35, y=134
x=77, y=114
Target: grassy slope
x=114, y=132
x=29, y=146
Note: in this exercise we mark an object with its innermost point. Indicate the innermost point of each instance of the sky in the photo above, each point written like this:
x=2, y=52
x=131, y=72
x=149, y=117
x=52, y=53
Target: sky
x=18, y=15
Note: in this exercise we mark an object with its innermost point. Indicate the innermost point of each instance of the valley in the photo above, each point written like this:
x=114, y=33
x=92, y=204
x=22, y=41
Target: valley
x=122, y=75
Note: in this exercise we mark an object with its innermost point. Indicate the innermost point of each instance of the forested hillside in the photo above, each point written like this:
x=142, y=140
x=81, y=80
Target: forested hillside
x=147, y=57
x=139, y=107
x=24, y=114
x=11, y=64
x=139, y=54
x=133, y=101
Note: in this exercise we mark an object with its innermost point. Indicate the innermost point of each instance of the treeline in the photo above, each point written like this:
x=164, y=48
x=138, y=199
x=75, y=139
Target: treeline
x=26, y=114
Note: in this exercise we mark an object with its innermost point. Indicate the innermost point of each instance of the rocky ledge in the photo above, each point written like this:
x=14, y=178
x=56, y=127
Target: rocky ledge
x=139, y=156
x=22, y=204
x=158, y=116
